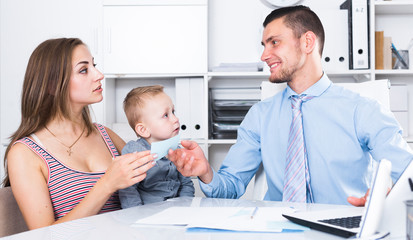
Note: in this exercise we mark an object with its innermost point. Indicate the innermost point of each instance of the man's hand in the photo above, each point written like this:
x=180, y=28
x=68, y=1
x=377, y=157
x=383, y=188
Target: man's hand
x=358, y=202
x=191, y=161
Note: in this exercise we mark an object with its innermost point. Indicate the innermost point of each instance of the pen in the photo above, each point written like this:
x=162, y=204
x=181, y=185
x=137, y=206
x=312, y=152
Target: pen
x=254, y=212
x=398, y=55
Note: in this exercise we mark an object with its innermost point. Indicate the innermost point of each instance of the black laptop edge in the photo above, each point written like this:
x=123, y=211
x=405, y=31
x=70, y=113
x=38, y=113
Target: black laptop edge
x=320, y=227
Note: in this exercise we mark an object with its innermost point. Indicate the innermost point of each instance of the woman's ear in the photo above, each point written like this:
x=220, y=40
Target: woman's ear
x=142, y=131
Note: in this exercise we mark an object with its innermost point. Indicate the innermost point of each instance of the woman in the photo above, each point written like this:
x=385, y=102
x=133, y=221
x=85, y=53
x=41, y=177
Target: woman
x=60, y=165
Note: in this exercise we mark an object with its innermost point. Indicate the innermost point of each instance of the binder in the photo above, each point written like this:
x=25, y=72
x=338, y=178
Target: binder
x=360, y=33
x=358, y=30
x=197, y=111
x=189, y=106
x=182, y=108
x=379, y=49
x=335, y=56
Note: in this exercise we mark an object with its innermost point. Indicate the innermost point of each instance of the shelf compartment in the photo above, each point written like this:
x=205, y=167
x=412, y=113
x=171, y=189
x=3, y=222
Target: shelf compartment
x=228, y=107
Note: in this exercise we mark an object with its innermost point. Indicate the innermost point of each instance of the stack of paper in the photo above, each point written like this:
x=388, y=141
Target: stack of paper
x=265, y=219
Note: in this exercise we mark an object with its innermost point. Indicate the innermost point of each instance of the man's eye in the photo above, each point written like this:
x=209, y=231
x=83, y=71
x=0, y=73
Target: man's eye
x=274, y=42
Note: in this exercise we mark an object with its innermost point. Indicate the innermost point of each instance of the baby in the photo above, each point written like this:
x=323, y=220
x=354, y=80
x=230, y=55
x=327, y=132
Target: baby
x=151, y=115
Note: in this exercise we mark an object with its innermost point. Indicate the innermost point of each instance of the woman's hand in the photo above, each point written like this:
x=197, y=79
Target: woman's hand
x=128, y=169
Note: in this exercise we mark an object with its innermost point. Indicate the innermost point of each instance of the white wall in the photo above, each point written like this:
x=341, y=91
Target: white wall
x=1, y=146
x=2, y=174
x=235, y=30
x=23, y=25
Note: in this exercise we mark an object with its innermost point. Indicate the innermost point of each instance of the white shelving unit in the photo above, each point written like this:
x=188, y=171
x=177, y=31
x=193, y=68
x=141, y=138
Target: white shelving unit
x=378, y=9
x=394, y=18
x=215, y=149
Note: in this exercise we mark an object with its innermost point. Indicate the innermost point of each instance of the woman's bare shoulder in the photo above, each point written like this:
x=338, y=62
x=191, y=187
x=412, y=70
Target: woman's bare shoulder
x=28, y=177
x=116, y=139
x=21, y=156
x=19, y=151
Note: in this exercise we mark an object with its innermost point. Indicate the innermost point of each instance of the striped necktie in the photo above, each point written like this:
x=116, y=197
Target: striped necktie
x=296, y=176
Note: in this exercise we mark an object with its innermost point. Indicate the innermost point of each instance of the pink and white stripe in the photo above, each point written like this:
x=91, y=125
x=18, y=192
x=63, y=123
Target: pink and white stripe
x=67, y=187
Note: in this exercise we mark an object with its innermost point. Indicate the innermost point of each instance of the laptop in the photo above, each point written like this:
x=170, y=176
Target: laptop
x=381, y=215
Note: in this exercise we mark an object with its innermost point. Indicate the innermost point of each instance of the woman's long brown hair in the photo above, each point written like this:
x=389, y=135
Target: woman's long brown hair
x=45, y=92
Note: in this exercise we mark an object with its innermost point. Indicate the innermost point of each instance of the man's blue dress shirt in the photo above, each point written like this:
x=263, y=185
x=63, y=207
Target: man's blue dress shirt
x=343, y=132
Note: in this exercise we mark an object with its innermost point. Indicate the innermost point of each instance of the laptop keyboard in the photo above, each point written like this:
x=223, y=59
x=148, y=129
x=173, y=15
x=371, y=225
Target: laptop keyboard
x=347, y=222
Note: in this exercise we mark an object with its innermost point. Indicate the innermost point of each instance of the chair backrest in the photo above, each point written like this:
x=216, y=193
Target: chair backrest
x=378, y=90
x=11, y=219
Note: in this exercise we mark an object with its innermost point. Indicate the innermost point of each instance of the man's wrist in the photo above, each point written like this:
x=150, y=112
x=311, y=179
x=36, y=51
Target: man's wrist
x=207, y=178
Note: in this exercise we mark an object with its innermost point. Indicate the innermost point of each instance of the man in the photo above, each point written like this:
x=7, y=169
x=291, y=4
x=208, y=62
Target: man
x=321, y=134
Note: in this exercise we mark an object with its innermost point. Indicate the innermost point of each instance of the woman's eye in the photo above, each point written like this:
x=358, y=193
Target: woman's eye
x=83, y=70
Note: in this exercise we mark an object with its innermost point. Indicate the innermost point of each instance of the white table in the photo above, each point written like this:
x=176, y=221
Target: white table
x=119, y=224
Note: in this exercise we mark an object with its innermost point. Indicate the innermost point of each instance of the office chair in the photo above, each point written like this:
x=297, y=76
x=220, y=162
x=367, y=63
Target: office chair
x=11, y=219
x=378, y=90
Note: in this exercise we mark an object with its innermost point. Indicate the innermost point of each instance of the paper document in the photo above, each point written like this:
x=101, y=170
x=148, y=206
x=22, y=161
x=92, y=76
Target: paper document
x=161, y=148
x=265, y=219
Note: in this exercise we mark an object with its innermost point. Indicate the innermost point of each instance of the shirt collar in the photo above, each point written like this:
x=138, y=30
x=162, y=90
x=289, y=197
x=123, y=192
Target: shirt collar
x=144, y=143
x=316, y=89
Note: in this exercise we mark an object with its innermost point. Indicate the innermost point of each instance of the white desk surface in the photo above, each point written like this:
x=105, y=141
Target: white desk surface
x=118, y=224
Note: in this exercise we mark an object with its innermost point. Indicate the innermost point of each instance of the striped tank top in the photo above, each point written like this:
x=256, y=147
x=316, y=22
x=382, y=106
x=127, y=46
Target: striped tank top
x=67, y=187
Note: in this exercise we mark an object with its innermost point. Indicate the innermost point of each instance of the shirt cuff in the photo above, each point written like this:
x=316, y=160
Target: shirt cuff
x=209, y=188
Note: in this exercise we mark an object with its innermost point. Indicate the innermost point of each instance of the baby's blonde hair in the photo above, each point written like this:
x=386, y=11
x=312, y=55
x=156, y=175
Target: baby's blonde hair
x=135, y=100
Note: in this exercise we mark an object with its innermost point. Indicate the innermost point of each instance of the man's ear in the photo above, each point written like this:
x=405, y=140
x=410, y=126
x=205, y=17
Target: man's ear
x=142, y=131
x=310, y=41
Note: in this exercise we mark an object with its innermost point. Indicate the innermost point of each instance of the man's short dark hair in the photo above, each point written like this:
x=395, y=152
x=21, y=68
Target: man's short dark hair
x=300, y=19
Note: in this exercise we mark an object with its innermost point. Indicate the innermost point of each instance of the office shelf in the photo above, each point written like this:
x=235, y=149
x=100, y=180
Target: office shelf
x=395, y=72
x=221, y=141
x=393, y=7
x=151, y=75
x=238, y=74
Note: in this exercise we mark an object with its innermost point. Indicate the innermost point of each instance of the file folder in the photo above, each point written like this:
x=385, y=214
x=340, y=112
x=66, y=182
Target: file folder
x=182, y=108
x=189, y=106
x=196, y=93
x=335, y=56
x=358, y=30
